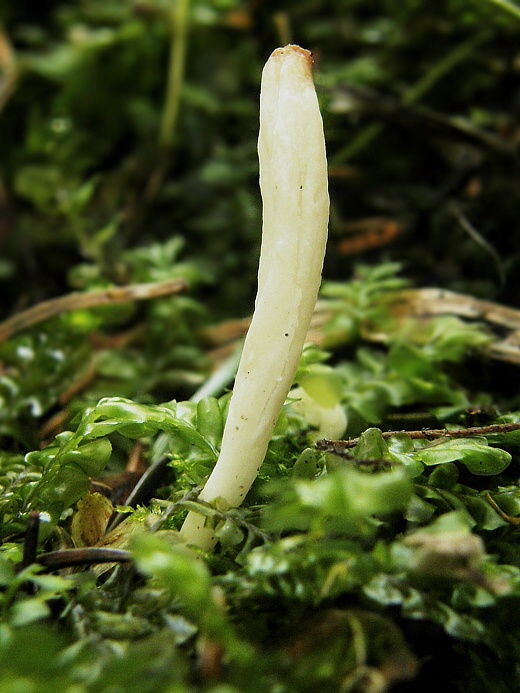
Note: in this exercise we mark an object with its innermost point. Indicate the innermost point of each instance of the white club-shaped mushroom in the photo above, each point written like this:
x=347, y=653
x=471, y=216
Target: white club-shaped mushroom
x=293, y=183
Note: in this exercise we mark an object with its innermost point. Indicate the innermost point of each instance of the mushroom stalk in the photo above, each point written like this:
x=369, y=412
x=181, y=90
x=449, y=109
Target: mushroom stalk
x=293, y=183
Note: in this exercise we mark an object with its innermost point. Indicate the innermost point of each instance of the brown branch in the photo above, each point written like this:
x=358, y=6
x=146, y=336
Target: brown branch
x=69, y=558
x=428, y=434
x=89, y=299
x=30, y=545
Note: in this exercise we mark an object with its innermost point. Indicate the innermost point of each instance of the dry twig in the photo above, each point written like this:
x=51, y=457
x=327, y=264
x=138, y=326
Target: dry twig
x=426, y=434
x=89, y=299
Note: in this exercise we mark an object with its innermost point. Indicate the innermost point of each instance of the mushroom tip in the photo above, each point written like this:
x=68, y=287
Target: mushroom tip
x=293, y=49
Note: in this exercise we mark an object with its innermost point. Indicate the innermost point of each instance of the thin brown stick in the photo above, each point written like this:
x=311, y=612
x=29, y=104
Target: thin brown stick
x=508, y=518
x=89, y=299
x=30, y=545
x=479, y=239
x=428, y=434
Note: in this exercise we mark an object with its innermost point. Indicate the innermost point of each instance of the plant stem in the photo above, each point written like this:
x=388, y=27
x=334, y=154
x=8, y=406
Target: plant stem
x=507, y=6
x=179, y=41
x=216, y=383
x=413, y=94
x=442, y=68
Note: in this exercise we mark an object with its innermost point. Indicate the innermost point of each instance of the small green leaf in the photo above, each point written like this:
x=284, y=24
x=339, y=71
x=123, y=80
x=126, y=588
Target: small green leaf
x=28, y=611
x=444, y=476
x=475, y=453
x=322, y=383
x=342, y=501
x=371, y=446
x=306, y=466
x=209, y=421
x=180, y=571
x=7, y=572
